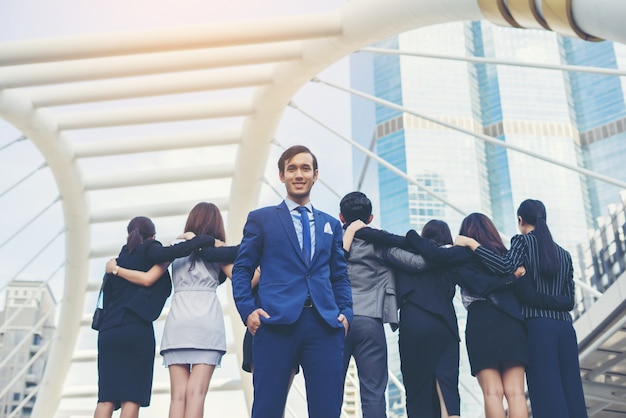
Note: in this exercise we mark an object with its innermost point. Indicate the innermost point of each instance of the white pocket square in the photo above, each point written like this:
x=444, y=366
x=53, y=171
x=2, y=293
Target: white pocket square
x=328, y=229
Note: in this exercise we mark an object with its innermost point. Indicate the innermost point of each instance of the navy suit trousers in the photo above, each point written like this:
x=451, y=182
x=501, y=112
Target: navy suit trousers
x=313, y=344
x=554, y=383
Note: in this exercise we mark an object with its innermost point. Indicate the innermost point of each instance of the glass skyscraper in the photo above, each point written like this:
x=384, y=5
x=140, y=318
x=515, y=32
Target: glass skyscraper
x=576, y=118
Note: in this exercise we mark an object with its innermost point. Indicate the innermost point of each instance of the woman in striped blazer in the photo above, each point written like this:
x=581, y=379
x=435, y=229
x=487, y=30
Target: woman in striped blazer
x=553, y=378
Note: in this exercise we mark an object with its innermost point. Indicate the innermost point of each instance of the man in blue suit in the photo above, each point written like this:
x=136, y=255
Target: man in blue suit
x=304, y=303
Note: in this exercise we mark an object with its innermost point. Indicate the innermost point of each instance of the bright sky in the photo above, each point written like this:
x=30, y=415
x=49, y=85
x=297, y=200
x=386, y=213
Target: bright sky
x=34, y=19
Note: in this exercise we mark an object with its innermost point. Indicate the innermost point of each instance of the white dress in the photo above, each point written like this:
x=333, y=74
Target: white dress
x=194, y=329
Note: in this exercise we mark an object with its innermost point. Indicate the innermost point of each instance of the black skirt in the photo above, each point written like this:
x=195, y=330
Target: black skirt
x=494, y=339
x=126, y=364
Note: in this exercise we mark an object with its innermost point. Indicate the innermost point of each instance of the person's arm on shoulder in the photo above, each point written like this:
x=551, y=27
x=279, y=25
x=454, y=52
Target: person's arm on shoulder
x=141, y=278
x=499, y=264
x=159, y=254
x=382, y=238
x=225, y=254
x=529, y=296
x=348, y=235
x=482, y=284
x=403, y=260
x=450, y=256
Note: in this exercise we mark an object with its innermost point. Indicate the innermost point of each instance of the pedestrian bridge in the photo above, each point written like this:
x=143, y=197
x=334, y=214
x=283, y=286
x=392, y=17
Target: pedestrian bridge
x=202, y=103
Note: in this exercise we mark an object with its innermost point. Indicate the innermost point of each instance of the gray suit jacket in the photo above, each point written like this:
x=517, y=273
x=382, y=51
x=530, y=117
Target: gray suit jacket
x=370, y=269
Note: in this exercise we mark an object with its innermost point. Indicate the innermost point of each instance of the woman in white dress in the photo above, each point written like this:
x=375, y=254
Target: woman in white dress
x=194, y=339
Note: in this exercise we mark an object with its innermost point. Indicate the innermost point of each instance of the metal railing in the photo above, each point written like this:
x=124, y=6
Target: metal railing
x=602, y=260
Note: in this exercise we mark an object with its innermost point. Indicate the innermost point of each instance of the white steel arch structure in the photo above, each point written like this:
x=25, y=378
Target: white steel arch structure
x=51, y=89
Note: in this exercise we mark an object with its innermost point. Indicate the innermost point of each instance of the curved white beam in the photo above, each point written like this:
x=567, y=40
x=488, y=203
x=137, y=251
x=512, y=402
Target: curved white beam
x=39, y=126
x=160, y=176
x=150, y=210
x=155, y=114
x=118, y=146
x=249, y=32
x=155, y=85
x=143, y=64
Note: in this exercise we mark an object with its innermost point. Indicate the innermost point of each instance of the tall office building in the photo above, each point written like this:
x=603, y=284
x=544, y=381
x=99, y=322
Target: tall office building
x=26, y=327
x=599, y=114
x=578, y=119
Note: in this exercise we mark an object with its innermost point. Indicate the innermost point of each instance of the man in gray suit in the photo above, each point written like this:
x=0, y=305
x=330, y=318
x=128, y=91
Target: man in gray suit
x=374, y=301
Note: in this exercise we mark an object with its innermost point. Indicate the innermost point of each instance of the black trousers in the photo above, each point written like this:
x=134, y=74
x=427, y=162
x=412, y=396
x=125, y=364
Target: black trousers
x=429, y=352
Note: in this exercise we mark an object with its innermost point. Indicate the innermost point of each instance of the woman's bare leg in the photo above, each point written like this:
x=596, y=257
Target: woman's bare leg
x=129, y=410
x=104, y=410
x=490, y=382
x=179, y=376
x=197, y=388
x=513, y=382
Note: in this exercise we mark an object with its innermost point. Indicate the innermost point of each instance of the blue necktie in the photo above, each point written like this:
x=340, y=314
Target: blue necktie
x=306, y=233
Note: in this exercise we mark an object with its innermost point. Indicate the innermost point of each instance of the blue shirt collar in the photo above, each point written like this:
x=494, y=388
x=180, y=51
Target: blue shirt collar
x=291, y=205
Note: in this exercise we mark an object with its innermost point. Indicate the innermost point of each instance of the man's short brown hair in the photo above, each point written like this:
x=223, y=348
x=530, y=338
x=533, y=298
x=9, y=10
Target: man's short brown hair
x=292, y=151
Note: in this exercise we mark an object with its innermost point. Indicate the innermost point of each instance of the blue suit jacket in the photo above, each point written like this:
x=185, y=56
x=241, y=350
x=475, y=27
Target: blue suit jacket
x=270, y=240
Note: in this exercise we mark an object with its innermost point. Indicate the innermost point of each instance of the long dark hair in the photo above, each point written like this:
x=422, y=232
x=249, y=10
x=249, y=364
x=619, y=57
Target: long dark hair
x=438, y=232
x=533, y=212
x=482, y=229
x=205, y=219
x=140, y=229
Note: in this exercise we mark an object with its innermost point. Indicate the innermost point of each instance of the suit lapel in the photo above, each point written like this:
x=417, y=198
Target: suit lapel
x=320, y=222
x=287, y=222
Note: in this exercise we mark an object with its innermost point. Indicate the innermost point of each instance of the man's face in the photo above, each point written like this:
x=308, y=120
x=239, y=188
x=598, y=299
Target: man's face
x=298, y=177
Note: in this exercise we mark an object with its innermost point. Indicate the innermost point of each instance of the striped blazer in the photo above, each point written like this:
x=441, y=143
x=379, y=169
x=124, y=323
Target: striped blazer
x=547, y=297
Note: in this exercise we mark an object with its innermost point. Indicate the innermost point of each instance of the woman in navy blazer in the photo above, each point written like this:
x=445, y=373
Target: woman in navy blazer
x=495, y=310
x=126, y=337
x=430, y=372
x=553, y=378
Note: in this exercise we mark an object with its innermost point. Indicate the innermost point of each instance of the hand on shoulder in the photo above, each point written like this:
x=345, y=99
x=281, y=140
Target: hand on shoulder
x=186, y=236
x=356, y=225
x=463, y=241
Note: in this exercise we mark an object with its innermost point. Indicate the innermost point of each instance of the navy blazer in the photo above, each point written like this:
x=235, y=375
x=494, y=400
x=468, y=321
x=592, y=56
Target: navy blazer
x=270, y=241
x=471, y=274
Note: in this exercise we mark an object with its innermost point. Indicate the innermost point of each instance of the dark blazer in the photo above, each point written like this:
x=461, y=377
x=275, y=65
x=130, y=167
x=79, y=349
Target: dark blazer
x=270, y=240
x=471, y=274
x=430, y=287
x=433, y=288
x=127, y=302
